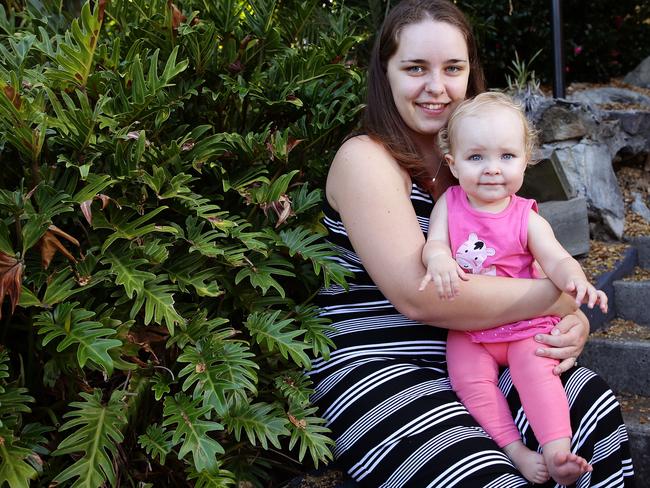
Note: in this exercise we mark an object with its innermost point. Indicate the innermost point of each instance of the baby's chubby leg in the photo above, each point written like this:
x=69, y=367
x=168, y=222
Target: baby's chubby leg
x=546, y=407
x=473, y=370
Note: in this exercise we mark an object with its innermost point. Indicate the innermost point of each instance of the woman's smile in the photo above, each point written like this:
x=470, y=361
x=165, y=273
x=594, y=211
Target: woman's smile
x=428, y=74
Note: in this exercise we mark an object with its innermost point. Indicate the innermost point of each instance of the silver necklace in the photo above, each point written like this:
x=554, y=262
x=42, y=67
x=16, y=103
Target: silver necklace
x=433, y=180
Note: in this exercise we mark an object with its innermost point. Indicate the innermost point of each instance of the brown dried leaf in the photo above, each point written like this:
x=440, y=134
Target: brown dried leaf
x=13, y=96
x=50, y=244
x=11, y=279
x=137, y=360
x=102, y=7
x=86, y=210
x=177, y=15
x=291, y=143
x=105, y=199
x=63, y=234
x=301, y=424
x=283, y=209
x=86, y=207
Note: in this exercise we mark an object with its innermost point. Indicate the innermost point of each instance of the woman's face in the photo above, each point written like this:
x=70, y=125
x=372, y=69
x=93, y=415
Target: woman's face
x=428, y=74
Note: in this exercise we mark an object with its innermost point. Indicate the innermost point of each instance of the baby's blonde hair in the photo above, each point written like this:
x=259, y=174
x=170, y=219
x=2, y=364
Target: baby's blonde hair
x=469, y=107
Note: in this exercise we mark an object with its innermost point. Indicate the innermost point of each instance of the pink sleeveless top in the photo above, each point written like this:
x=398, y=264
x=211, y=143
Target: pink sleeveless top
x=495, y=244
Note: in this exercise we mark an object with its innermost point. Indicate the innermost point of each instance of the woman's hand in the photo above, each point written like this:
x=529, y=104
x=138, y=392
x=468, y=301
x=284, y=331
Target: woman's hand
x=566, y=341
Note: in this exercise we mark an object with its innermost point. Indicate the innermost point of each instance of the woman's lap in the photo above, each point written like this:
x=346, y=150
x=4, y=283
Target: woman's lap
x=400, y=424
x=599, y=434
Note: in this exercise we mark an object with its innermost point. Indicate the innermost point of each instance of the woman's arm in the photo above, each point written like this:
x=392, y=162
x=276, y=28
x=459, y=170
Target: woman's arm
x=371, y=192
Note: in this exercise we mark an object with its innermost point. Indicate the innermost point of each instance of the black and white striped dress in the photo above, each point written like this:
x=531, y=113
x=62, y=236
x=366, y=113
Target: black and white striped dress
x=386, y=396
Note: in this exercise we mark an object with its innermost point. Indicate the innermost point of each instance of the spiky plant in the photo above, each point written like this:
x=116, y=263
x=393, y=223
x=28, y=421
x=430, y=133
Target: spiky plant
x=159, y=236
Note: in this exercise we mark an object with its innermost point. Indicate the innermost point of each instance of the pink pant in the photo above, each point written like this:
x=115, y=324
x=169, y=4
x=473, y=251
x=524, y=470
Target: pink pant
x=474, y=371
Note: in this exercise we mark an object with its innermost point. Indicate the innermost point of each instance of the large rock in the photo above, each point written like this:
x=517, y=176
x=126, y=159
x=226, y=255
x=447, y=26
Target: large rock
x=629, y=108
x=569, y=221
x=559, y=123
x=583, y=135
x=610, y=95
x=588, y=167
x=635, y=126
x=640, y=76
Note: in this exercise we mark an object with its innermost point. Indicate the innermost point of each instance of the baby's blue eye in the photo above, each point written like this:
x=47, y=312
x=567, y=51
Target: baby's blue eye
x=475, y=157
x=508, y=156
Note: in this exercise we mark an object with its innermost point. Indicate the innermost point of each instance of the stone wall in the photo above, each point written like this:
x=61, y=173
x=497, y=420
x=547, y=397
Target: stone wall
x=583, y=135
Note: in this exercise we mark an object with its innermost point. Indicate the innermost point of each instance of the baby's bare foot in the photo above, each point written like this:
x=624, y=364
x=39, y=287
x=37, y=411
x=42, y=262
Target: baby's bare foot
x=529, y=463
x=566, y=468
x=563, y=466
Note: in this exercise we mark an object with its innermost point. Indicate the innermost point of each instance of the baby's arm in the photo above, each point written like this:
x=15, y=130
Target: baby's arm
x=436, y=255
x=564, y=271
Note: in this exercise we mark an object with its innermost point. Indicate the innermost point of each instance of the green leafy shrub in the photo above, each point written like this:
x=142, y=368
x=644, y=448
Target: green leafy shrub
x=159, y=236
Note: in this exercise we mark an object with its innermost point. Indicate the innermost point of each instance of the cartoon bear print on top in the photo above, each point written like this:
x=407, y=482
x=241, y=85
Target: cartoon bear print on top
x=472, y=254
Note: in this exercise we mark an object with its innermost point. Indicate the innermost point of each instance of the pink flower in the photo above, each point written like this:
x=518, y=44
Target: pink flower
x=577, y=50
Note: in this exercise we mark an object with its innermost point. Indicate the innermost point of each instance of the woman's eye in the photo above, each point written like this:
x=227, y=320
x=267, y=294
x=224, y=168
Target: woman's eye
x=415, y=69
x=453, y=69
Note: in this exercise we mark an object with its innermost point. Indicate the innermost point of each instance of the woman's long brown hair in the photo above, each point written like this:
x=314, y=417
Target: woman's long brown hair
x=382, y=121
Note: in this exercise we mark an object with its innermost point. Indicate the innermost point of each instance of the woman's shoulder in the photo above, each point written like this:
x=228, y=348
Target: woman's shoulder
x=361, y=159
x=360, y=146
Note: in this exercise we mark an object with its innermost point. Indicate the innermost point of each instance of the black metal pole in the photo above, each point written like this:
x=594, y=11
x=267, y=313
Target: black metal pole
x=558, y=49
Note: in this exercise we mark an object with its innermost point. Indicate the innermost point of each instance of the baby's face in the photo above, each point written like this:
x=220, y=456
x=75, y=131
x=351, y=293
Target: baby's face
x=489, y=155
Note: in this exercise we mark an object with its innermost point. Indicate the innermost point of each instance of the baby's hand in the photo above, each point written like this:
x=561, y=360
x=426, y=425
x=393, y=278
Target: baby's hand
x=585, y=292
x=445, y=274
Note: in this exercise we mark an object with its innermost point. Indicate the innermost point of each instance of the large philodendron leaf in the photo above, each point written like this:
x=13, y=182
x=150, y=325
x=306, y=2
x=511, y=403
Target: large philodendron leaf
x=157, y=442
x=262, y=423
x=158, y=300
x=136, y=228
x=97, y=432
x=267, y=329
x=311, y=435
x=14, y=469
x=125, y=268
x=69, y=326
x=192, y=431
x=217, y=369
x=75, y=56
x=310, y=246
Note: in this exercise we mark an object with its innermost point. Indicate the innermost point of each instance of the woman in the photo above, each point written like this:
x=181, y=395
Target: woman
x=385, y=390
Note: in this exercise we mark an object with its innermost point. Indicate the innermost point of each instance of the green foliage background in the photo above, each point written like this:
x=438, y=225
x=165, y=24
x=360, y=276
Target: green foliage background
x=160, y=175
x=159, y=236
x=602, y=39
